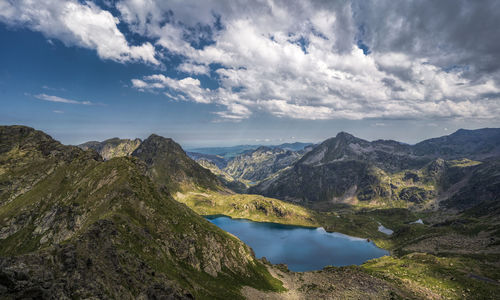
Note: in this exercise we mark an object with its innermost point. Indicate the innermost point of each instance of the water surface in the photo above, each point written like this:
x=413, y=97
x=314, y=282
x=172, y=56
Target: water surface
x=302, y=249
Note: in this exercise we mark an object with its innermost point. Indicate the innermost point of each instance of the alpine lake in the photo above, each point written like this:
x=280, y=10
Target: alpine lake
x=300, y=248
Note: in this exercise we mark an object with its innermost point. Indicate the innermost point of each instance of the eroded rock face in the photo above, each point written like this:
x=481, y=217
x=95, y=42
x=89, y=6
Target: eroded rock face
x=114, y=147
x=261, y=163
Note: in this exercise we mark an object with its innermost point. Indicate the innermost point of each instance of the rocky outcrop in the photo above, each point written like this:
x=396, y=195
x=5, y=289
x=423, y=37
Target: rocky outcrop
x=114, y=147
x=261, y=163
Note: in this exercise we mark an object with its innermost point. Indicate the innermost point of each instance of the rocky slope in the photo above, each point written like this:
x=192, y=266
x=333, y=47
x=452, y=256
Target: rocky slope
x=252, y=166
x=346, y=169
x=261, y=163
x=479, y=144
x=227, y=180
x=75, y=226
x=169, y=166
x=114, y=147
x=219, y=161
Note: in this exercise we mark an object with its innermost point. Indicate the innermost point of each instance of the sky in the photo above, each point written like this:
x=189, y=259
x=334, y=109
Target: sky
x=220, y=73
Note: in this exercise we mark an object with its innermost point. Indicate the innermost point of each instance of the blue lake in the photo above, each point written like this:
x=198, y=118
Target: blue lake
x=302, y=249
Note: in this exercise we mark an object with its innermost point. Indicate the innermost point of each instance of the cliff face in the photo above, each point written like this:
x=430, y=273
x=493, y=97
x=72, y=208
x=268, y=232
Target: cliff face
x=74, y=225
x=114, y=147
x=261, y=163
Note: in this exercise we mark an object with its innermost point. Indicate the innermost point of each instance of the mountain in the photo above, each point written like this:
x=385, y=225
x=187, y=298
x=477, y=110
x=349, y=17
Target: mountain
x=477, y=144
x=478, y=188
x=227, y=180
x=169, y=167
x=261, y=163
x=385, y=154
x=237, y=171
x=297, y=146
x=73, y=225
x=114, y=147
x=225, y=152
x=346, y=169
x=252, y=166
x=219, y=161
x=229, y=153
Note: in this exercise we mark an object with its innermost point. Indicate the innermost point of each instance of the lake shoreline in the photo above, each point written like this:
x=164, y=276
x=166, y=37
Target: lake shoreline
x=300, y=248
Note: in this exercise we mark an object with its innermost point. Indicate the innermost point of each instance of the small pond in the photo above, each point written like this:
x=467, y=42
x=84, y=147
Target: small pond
x=301, y=248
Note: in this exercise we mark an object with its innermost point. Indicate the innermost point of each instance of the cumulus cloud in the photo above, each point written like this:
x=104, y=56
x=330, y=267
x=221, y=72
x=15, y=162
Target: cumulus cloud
x=194, y=68
x=53, y=98
x=76, y=23
x=301, y=59
x=186, y=89
x=296, y=59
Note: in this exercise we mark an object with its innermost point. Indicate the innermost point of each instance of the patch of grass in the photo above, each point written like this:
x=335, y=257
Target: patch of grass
x=253, y=207
x=430, y=276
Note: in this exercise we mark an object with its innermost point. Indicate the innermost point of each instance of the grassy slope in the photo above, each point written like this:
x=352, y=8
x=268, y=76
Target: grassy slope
x=148, y=228
x=253, y=207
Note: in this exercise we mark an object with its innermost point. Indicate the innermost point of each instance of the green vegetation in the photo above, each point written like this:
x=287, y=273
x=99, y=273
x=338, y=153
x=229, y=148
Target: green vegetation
x=105, y=229
x=437, y=277
x=170, y=168
x=71, y=223
x=253, y=207
x=418, y=265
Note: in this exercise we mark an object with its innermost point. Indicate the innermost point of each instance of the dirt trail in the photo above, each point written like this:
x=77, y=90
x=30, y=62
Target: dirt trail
x=330, y=283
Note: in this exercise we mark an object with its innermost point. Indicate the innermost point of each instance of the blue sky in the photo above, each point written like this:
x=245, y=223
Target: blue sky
x=219, y=73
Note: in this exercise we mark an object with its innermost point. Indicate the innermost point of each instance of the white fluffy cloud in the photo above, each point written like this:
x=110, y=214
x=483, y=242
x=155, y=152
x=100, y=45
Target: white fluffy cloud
x=296, y=59
x=186, y=89
x=301, y=60
x=75, y=23
x=194, y=68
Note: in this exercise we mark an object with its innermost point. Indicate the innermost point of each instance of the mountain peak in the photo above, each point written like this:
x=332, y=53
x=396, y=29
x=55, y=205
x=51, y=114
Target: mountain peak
x=170, y=166
x=344, y=134
x=158, y=143
x=154, y=136
x=263, y=149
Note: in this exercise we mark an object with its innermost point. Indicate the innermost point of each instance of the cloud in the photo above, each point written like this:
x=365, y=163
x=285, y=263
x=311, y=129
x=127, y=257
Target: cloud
x=186, y=89
x=52, y=98
x=75, y=23
x=194, y=68
x=448, y=33
x=295, y=59
x=302, y=60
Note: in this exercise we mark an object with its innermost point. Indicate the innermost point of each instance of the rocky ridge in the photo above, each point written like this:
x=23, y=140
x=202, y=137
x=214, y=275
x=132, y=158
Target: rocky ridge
x=114, y=147
x=103, y=229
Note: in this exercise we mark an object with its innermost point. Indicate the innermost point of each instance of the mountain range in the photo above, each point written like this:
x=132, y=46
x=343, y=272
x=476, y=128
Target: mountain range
x=121, y=218
x=431, y=174
x=434, y=173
